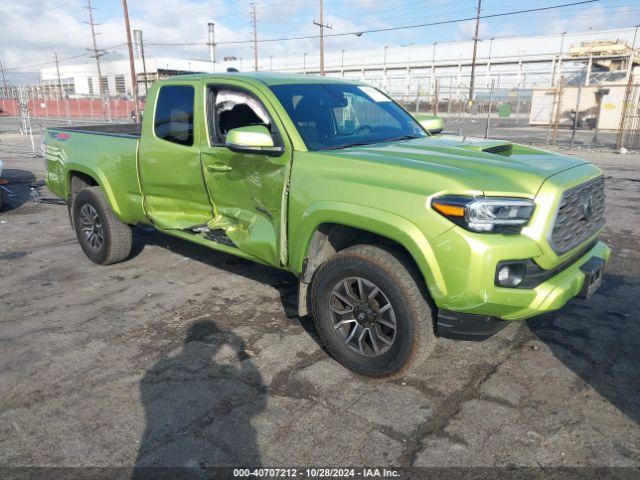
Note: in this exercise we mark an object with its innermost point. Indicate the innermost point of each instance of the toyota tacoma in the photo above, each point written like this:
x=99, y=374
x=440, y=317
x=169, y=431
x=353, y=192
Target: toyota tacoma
x=397, y=235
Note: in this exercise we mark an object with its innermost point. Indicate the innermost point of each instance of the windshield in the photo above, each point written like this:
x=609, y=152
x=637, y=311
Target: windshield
x=330, y=116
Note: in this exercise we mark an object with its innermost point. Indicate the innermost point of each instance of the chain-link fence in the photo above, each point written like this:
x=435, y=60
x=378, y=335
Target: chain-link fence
x=15, y=100
x=571, y=115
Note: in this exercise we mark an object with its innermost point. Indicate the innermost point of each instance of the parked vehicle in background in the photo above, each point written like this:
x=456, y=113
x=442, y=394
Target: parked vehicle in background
x=396, y=235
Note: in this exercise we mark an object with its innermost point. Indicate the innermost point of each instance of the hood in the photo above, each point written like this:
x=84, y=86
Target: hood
x=491, y=166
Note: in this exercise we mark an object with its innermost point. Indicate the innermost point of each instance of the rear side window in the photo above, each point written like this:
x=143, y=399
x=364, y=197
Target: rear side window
x=174, y=114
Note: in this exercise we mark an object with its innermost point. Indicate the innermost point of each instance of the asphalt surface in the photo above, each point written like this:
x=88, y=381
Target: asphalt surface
x=185, y=356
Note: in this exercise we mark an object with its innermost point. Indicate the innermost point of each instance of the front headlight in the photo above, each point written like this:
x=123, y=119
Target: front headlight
x=485, y=214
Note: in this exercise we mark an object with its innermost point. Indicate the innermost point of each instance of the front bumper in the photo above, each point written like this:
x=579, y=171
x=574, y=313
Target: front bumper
x=466, y=326
x=468, y=264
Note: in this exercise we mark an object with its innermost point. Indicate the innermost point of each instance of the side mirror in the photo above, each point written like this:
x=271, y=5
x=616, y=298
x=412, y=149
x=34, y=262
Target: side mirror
x=431, y=123
x=252, y=139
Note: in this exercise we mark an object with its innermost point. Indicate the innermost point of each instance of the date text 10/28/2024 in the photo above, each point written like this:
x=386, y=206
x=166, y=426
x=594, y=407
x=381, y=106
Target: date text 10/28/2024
x=316, y=472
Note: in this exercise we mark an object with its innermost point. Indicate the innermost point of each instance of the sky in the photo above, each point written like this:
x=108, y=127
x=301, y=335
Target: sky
x=31, y=31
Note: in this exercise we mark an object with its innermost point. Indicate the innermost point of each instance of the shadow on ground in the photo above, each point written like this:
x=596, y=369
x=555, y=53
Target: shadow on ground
x=199, y=404
x=599, y=341
x=285, y=283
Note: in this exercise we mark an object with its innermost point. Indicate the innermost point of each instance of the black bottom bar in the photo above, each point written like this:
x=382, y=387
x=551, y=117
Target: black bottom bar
x=465, y=326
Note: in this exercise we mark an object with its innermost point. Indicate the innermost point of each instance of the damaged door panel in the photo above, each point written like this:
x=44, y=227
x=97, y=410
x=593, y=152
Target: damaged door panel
x=247, y=190
x=175, y=195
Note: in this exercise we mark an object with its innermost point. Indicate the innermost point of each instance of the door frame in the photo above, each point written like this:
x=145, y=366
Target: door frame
x=207, y=136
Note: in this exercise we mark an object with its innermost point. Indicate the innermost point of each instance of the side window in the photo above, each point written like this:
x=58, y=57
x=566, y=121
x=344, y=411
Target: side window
x=234, y=108
x=174, y=114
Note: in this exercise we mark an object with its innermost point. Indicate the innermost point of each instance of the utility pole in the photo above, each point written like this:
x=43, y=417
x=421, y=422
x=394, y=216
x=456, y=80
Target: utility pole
x=96, y=55
x=62, y=93
x=557, y=65
x=432, y=82
x=475, y=50
x=386, y=77
x=212, y=44
x=137, y=35
x=255, y=36
x=489, y=62
x=322, y=26
x=4, y=80
x=132, y=65
x=627, y=93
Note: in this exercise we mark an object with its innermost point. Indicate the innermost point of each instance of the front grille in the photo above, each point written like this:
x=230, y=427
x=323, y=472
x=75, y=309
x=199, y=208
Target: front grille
x=580, y=215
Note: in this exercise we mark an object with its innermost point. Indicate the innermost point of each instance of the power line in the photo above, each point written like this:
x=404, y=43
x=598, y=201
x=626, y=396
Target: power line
x=385, y=29
x=72, y=57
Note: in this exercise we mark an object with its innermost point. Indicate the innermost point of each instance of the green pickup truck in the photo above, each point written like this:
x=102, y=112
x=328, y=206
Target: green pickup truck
x=396, y=234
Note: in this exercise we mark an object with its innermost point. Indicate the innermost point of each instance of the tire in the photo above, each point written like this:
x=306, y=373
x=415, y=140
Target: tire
x=366, y=268
x=111, y=240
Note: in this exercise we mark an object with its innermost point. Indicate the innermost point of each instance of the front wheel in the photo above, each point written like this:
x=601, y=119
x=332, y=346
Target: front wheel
x=370, y=312
x=102, y=236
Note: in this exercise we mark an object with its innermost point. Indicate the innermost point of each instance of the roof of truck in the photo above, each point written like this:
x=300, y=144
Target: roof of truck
x=268, y=78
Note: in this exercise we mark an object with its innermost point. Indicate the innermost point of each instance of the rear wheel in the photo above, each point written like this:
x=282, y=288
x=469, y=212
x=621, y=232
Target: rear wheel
x=102, y=236
x=370, y=312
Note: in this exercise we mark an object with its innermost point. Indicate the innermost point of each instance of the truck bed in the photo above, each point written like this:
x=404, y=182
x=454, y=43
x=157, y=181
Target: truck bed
x=112, y=129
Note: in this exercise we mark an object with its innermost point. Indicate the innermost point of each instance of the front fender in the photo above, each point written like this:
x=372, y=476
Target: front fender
x=385, y=224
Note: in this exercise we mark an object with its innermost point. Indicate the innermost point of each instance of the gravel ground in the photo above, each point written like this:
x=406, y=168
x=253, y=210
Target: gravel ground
x=185, y=356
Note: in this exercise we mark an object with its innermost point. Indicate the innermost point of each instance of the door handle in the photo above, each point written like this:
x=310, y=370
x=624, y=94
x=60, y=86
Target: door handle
x=219, y=168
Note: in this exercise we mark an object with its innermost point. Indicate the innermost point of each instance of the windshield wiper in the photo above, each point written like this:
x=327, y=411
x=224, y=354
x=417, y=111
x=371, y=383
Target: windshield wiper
x=404, y=137
x=370, y=142
x=346, y=145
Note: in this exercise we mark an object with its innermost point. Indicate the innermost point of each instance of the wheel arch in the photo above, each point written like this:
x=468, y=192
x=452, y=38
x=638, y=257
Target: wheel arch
x=78, y=177
x=329, y=230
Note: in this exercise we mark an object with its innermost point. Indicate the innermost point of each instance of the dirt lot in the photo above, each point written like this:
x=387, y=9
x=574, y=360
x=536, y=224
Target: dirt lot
x=185, y=356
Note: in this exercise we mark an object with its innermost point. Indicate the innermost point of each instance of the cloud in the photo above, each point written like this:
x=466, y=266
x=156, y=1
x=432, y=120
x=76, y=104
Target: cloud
x=596, y=17
x=31, y=32
x=466, y=30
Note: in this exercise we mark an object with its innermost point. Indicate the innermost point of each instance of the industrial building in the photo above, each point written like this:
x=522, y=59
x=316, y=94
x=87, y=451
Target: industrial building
x=405, y=71
x=80, y=80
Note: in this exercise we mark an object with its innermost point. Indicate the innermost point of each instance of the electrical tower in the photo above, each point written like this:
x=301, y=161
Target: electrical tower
x=322, y=26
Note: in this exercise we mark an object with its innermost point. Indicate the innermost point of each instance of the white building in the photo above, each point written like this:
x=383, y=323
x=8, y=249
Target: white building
x=82, y=79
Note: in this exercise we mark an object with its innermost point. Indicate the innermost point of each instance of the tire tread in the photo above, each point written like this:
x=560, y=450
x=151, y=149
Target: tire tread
x=386, y=260
x=119, y=234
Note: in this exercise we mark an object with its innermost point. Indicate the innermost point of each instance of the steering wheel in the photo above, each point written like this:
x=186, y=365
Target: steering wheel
x=361, y=128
